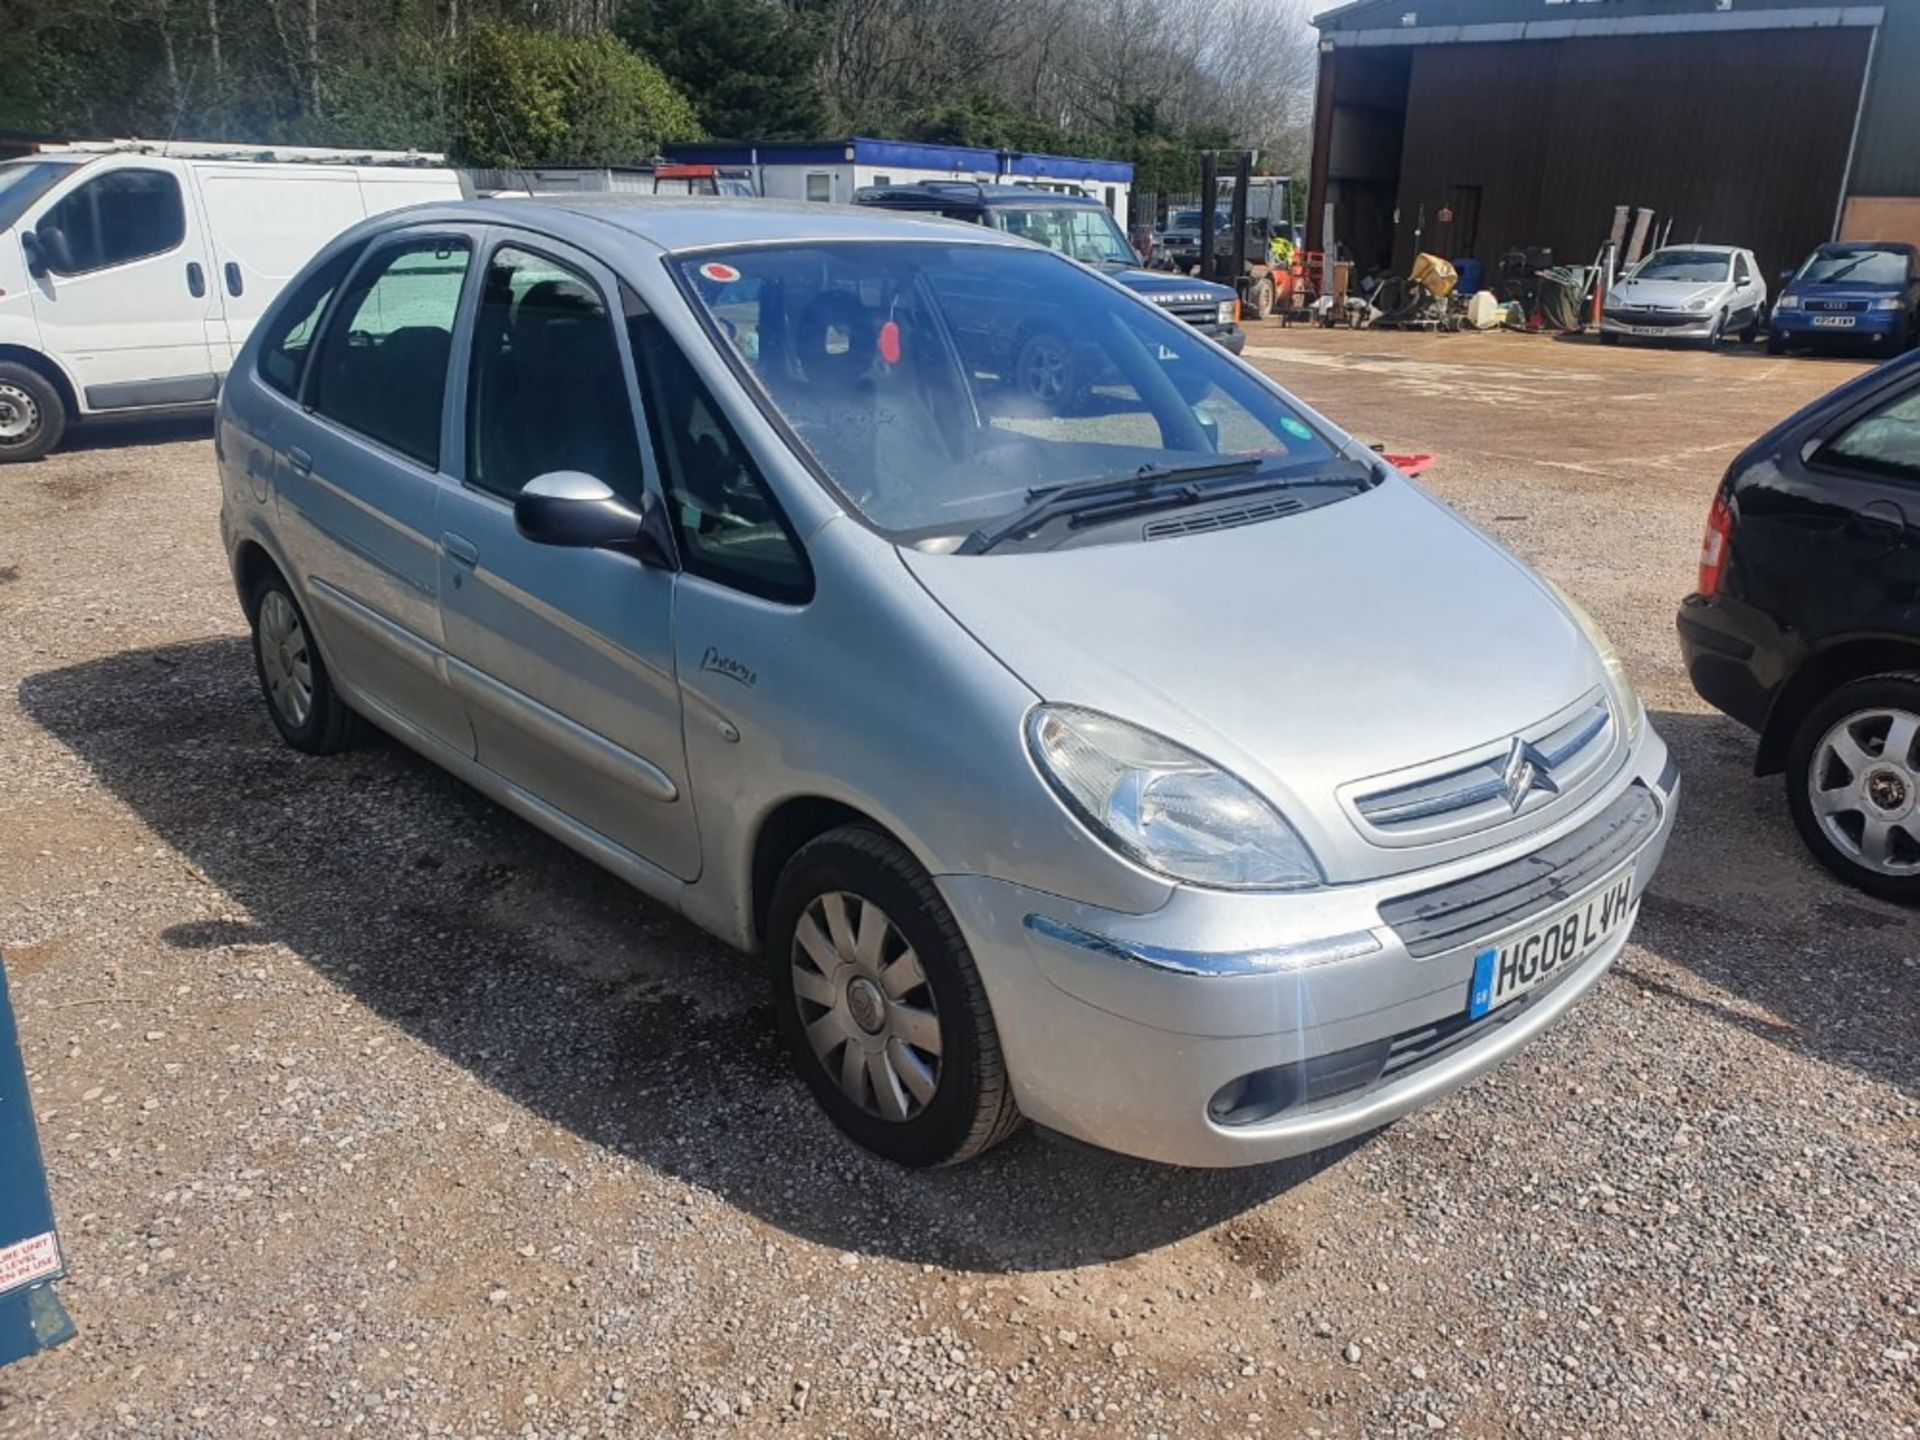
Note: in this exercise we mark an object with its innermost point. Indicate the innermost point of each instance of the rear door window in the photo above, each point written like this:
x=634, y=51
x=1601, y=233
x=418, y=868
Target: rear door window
x=1884, y=442
x=382, y=368
x=289, y=339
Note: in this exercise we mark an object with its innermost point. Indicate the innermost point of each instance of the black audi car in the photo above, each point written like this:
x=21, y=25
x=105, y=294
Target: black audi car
x=1806, y=623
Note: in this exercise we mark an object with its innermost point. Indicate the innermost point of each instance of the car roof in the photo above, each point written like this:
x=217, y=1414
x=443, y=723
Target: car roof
x=1699, y=249
x=949, y=193
x=695, y=222
x=1847, y=247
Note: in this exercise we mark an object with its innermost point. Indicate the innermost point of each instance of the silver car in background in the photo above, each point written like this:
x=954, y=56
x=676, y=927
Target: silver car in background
x=1688, y=292
x=1155, y=764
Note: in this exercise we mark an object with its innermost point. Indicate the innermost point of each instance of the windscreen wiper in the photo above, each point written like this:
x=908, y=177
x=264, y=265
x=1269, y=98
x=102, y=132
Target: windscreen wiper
x=1045, y=502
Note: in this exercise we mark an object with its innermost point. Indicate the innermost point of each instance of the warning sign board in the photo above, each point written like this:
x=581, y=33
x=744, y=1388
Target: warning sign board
x=26, y=1261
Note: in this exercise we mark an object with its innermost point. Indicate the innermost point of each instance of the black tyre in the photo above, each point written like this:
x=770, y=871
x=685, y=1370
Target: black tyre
x=1750, y=331
x=1853, y=784
x=1776, y=342
x=1049, y=370
x=1717, y=336
x=1260, y=298
x=1609, y=337
x=32, y=415
x=306, y=709
x=880, y=1003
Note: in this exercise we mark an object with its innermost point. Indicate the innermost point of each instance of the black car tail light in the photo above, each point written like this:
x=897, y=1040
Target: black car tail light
x=1715, y=545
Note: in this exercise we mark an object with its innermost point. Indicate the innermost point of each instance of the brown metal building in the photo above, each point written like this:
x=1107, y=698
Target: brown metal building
x=1492, y=125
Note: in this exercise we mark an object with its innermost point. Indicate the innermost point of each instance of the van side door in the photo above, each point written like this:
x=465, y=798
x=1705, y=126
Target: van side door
x=565, y=657
x=127, y=295
x=265, y=222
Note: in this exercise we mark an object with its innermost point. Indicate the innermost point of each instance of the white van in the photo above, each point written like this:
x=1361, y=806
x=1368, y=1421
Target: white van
x=128, y=279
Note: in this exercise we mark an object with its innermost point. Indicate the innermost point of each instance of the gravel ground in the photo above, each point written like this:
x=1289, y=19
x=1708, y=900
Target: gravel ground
x=369, y=1110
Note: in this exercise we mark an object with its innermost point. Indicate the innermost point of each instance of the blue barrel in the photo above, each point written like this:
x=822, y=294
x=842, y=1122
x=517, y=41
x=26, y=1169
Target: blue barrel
x=1472, y=277
x=31, y=1316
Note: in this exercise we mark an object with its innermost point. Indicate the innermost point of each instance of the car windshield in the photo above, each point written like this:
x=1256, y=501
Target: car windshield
x=1086, y=232
x=24, y=181
x=1864, y=266
x=1696, y=265
x=1184, y=220
x=938, y=385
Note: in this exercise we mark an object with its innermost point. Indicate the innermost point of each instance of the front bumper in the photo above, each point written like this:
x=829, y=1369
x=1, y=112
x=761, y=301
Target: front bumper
x=1129, y=1046
x=1873, y=327
x=1231, y=336
x=1664, y=327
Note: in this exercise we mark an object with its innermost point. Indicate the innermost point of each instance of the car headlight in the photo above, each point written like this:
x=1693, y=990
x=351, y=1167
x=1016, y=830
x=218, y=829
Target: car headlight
x=1787, y=302
x=1229, y=312
x=1164, y=807
x=1628, y=698
x=1696, y=305
x=1889, y=302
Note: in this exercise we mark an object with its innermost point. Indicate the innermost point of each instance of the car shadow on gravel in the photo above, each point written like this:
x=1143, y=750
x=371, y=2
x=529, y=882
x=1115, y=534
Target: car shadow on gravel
x=1796, y=957
x=553, y=982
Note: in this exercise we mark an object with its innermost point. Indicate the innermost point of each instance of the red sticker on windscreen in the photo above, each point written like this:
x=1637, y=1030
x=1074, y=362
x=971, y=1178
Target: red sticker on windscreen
x=718, y=273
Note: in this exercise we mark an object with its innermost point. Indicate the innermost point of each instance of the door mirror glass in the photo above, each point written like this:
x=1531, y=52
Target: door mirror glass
x=574, y=510
x=55, y=250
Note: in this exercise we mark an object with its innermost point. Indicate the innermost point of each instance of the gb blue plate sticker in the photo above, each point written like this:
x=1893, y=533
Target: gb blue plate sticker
x=1480, y=999
x=1294, y=428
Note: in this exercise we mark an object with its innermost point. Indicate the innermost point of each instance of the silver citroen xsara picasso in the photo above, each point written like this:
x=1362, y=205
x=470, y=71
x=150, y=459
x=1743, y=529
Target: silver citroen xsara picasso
x=1142, y=757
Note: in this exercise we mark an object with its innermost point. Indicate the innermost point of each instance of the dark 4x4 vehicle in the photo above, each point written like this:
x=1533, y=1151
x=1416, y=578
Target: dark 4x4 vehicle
x=1806, y=626
x=1045, y=360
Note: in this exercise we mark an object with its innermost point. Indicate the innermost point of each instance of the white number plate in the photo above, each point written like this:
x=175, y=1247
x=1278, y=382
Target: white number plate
x=1645, y=330
x=1834, y=322
x=1507, y=971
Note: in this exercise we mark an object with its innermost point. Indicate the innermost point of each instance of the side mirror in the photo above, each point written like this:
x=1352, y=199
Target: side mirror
x=56, y=251
x=567, y=508
x=36, y=257
x=1785, y=276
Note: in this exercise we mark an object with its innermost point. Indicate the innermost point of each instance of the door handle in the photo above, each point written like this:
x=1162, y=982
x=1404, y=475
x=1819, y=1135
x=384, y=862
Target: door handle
x=300, y=460
x=196, y=280
x=234, y=285
x=460, y=548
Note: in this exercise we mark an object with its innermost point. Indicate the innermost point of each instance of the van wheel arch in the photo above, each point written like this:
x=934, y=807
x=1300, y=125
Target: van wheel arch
x=39, y=394
x=49, y=371
x=1820, y=676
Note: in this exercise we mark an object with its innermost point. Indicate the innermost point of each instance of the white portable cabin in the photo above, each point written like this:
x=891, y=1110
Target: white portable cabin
x=131, y=272
x=830, y=171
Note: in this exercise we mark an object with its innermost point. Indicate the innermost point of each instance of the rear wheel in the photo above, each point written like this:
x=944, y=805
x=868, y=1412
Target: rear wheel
x=1853, y=784
x=1260, y=298
x=306, y=709
x=880, y=1003
x=32, y=416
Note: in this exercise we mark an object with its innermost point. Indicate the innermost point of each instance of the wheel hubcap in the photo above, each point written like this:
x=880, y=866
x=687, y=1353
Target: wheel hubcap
x=1045, y=371
x=1863, y=785
x=868, y=1009
x=19, y=416
x=285, y=660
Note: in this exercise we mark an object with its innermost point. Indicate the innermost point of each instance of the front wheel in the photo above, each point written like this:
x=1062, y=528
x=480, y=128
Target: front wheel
x=1260, y=298
x=1609, y=337
x=1776, y=342
x=32, y=415
x=1853, y=784
x=1750, y=332
x=880, y=1003
x=1718, y=334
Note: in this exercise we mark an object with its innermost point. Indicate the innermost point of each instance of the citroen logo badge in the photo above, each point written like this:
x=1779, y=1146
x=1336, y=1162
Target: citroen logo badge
x=1524, y=773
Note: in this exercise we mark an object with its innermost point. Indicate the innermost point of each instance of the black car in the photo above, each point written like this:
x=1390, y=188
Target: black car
x=1046, y=363
x=1806, y=625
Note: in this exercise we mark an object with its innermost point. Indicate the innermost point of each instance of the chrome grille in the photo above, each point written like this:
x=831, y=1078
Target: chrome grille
x=1576, y=745
x=1465, y=911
